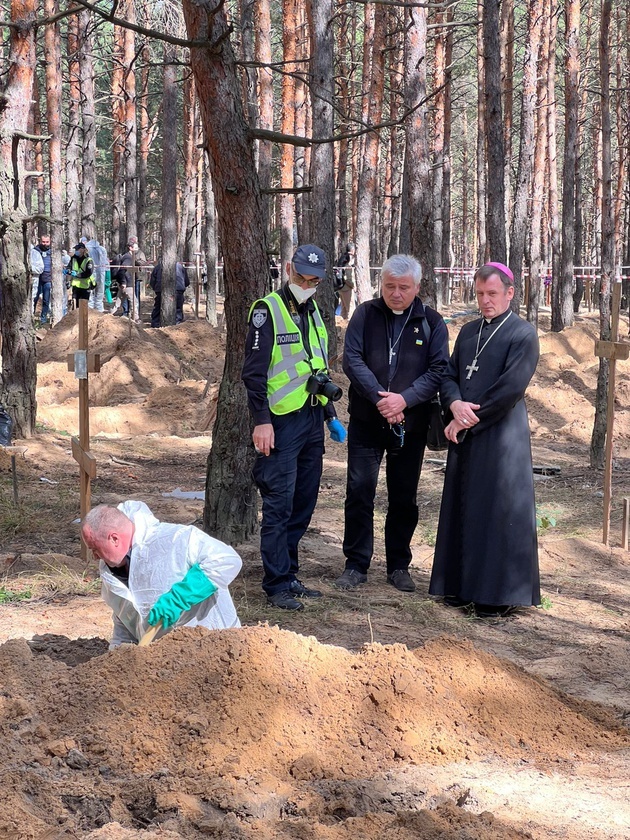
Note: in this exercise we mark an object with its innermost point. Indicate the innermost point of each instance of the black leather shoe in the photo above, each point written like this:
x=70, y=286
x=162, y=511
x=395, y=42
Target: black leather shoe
x=284, y=601
x=350, y=579
x=402, y=580
x=298, y=590
x=493, y=610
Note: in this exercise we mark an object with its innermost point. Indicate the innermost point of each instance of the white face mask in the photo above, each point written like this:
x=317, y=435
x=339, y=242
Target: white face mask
x=300, y=294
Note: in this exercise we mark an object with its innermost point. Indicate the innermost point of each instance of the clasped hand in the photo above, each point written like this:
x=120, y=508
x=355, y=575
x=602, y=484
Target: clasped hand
x=392, y=406
x=464, y=417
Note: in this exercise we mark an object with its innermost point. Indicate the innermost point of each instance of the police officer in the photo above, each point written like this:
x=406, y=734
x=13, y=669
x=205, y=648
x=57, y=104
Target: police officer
x=81, y=270
x=290, y=396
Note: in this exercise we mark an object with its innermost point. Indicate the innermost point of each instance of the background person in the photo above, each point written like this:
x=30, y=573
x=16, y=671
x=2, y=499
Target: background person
x=395, y=354
x=344, y=274
x=37, y=266
x=98, y=255
x=81, y=272
x=155, y=571
x=129, y=282
x=44, y=280
x=286, y=344
x=182, y=281
x=486, y=550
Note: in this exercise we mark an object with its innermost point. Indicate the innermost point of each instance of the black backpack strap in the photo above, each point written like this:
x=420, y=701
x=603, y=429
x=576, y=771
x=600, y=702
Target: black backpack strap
x=427, y=329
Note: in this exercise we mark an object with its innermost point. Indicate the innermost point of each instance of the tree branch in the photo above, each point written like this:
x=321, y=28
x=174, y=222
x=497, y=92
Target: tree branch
x=22, y=135
x=404, y=5
x=142, y=30
x=41, y=217
x=278, y=137
x=286, y=190
x=292, y=140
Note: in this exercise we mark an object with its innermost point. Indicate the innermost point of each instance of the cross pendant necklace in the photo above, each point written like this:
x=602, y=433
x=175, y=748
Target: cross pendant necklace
x=391, y=346
x=474, y=367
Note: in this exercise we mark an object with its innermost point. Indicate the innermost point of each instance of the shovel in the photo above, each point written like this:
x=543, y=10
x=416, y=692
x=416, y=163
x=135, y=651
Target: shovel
x=150, y=634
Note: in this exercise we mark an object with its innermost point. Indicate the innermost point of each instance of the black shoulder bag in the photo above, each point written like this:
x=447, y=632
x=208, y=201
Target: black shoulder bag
x=436, y=439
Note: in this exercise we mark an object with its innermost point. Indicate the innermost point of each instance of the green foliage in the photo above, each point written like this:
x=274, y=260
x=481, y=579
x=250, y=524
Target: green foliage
x=9, y=596
x=545, y=603
x=545, y=519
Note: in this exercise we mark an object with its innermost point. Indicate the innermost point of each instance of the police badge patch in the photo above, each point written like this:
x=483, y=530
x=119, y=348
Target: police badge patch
x=259, y=317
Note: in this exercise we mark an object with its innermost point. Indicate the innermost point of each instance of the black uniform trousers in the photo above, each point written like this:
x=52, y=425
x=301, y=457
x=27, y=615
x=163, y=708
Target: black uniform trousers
x=288, y=480
x=367, y=444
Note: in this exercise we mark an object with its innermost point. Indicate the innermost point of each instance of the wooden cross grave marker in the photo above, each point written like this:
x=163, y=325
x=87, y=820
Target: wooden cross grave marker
x=81, y=364
x=611, y=350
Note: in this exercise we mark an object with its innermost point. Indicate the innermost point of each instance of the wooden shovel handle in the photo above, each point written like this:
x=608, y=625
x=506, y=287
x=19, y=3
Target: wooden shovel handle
x=150, y=634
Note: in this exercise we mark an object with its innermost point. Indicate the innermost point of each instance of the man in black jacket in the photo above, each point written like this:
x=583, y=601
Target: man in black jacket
x=395, y=354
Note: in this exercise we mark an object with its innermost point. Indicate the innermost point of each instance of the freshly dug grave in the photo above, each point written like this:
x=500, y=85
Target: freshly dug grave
x=260, y=732
x=268, y=734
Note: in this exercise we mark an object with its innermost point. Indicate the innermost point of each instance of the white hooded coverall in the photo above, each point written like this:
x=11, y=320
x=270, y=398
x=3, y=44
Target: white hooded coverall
x=161, y=555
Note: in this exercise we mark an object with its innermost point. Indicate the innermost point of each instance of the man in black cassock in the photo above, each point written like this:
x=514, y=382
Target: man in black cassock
x=486, y=551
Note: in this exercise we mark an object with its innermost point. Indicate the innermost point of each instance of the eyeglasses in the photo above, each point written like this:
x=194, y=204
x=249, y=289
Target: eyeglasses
x=306, y=279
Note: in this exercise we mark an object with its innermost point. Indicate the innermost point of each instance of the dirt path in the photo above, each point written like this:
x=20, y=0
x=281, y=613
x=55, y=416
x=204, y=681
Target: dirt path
x=444, y=726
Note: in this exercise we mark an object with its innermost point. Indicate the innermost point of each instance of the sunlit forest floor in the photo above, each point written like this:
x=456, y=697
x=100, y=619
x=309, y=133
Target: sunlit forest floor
x=420, y=722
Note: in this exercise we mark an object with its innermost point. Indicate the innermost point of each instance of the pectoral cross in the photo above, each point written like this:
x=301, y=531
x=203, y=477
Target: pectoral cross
x=391, y=356
x=472, y=368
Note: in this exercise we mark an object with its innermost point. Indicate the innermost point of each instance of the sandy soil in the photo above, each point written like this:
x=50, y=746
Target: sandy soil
x=373, y=713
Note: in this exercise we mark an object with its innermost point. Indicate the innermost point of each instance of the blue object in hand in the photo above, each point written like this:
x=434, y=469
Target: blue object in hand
x=194, y=588
x=73, y=273
x=337, y=431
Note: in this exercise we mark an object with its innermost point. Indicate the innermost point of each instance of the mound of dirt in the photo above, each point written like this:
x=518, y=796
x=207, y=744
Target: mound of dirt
x=248, y=732
x=151, y=380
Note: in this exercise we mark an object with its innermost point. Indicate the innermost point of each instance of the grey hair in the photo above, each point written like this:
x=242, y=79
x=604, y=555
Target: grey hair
x=102, y=518
x=401, y=265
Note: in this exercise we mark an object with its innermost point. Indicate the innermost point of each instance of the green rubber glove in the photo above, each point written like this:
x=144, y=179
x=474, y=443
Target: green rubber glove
x=193, y=589
x=108, y=286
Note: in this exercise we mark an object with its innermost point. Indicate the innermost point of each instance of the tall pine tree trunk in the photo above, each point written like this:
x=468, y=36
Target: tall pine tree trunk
x=131, y=131
x=439, y=120
x=368, y=174
x=265, y=99
x=571, y=148
x=230, y=509
x=480, y=160
x=190, y=166
x=209, y=248
x=598, y=438
x=287, y=213
x=86, y=73
x=322, y=174
x=168, y=231
x=119, y=230
x=561, y=303
x=144, y=145
x=417, y=192
x=52, y=53
x=19, y=361
x=494, y=132
x=74, y=145
x=538, y=185
x=518, y=228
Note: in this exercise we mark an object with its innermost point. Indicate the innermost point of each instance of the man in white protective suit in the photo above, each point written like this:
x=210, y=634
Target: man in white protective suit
x=154, y=571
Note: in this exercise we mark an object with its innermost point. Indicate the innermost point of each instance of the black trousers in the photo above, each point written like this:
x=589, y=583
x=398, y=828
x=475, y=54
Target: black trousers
x=288, y=481
x=157, y=305
x=367, y=444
